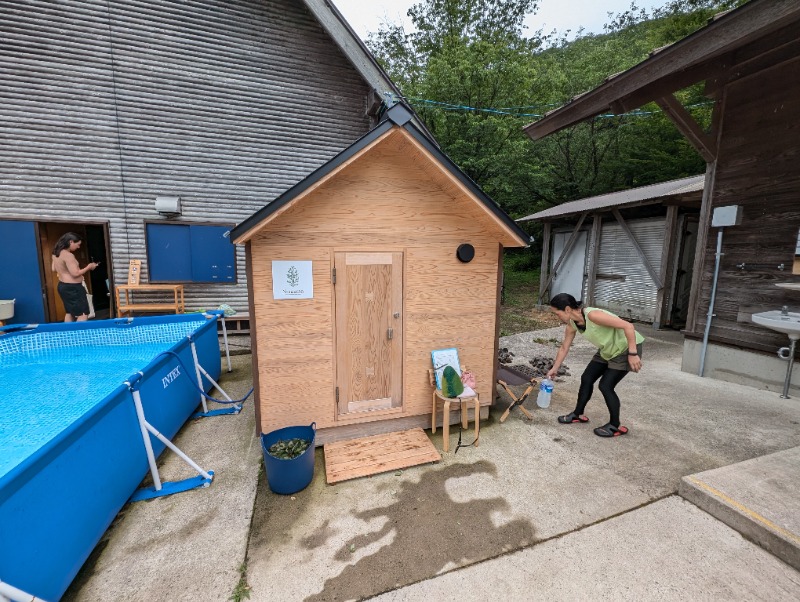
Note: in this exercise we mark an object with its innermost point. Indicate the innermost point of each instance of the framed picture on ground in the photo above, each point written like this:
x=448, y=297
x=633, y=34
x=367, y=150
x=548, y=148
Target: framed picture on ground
x=442, y=358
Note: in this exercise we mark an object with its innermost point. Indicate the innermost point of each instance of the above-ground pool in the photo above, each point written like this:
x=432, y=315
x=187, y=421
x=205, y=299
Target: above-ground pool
x=71, y=447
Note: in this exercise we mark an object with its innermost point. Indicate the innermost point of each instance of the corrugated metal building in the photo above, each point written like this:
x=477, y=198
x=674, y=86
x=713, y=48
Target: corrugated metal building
x=633, y=258
x=106, y=106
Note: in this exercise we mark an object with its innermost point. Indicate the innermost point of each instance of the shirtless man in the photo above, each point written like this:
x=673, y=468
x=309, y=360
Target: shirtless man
x=70, y=276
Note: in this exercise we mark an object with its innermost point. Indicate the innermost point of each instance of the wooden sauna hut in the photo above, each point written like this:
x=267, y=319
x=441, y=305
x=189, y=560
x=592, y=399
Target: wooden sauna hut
x=359, y=271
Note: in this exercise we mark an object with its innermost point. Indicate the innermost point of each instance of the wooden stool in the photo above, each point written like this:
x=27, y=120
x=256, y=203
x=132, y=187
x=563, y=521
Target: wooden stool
x=437, y=394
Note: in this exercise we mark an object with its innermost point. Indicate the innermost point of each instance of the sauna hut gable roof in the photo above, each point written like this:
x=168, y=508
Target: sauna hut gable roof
x=398, y=116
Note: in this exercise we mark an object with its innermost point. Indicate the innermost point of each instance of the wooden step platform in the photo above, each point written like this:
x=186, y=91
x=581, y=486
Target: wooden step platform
x=379, y=453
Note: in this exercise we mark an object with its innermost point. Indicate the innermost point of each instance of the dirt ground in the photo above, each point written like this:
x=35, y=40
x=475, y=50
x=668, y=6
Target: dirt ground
x=525, y=318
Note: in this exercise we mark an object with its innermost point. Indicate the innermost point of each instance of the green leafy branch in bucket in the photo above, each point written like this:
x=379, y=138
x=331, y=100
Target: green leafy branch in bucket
x=242, y=589
x=288, y=449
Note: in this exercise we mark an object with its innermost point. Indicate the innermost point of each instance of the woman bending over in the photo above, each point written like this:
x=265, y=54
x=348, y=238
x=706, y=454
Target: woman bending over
x=619, y=352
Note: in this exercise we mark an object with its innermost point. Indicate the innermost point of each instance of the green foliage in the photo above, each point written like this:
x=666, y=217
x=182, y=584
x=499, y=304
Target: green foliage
x=451, y=383
x=476, y=79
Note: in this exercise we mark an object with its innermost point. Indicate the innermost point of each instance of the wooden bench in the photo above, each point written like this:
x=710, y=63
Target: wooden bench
x=125, y=304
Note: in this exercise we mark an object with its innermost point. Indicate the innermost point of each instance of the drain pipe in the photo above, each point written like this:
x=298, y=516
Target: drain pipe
x=711, y=303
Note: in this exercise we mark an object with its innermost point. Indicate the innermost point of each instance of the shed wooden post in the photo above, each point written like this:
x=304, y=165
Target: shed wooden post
x=543, y=272
x=668, y=253
x=705, y=217
x=594, y=250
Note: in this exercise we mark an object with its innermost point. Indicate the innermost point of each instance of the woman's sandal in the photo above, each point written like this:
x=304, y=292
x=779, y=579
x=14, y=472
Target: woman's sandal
x=572, y=418
x=609, y=430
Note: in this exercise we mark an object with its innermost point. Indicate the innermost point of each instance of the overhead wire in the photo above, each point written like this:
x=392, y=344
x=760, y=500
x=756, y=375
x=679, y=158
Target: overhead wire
x=510, y=111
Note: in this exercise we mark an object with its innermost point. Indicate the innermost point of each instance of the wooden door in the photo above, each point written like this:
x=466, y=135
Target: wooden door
x=369, y=331
x=49, y=233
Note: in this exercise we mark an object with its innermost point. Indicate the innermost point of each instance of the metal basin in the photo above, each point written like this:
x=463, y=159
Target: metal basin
x=788, y=323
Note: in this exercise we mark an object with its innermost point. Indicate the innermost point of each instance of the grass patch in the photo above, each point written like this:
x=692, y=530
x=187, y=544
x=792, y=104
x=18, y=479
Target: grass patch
x=242, y=590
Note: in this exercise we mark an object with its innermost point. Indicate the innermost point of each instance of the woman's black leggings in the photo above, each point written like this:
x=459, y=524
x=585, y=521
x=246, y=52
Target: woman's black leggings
x=609, y=378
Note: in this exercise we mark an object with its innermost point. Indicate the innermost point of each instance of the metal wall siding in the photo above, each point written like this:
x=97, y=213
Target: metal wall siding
x=634, y=297
x=225, y=104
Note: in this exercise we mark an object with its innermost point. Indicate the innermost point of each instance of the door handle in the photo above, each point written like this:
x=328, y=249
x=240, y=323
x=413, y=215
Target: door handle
x=390, y=333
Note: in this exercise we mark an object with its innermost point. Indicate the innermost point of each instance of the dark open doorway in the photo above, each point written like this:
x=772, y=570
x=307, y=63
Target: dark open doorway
x=94, y=248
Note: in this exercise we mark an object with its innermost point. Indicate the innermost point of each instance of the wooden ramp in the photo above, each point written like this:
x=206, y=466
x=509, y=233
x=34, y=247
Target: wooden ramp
x=379, y=453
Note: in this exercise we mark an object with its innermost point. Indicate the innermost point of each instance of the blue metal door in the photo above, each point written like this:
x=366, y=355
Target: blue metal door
x=21, y=279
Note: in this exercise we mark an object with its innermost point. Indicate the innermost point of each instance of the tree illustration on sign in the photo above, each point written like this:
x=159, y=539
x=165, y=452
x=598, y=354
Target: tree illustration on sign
x=292, y=276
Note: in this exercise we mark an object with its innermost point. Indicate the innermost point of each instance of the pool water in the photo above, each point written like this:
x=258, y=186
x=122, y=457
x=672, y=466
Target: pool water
x=48, y=382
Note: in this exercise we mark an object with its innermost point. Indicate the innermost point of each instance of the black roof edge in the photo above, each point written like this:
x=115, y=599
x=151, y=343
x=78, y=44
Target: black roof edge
x=401, y=115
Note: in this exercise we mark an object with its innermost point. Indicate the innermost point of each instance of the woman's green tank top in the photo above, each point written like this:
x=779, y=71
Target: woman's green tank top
x=611, y=342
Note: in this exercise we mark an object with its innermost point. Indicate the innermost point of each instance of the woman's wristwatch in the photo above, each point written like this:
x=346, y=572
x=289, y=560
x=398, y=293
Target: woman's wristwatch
x=633, y=353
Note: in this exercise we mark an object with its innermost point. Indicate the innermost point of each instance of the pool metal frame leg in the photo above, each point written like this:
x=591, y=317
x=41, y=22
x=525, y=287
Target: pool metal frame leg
x=225, y=338
x=199, y=373
x=9, y=593
x=159, y=489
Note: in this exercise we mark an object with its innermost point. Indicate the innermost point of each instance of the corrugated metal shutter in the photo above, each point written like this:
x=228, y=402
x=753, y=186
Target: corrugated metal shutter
x=106, y=105
x=634, y=296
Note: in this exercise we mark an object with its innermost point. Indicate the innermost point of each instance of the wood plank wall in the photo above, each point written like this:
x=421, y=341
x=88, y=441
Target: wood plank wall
x=758, y=168
x=383, y=202
x=106, y=105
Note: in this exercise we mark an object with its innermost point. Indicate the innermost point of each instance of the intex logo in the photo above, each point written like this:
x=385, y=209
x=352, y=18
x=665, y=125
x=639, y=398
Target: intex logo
x=171, y=376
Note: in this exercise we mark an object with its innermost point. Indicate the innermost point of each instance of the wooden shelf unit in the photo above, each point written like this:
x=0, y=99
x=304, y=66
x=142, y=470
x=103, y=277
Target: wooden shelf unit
x=125, y=303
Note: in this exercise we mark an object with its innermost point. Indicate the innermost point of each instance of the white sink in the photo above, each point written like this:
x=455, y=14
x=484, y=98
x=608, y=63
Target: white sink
x=788, y=323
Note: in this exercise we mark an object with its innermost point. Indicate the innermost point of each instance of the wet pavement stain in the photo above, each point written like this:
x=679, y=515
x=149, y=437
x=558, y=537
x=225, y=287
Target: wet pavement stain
x=432, y=533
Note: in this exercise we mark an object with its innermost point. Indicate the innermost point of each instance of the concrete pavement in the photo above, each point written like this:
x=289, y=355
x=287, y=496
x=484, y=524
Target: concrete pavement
x=667, y=550
x=759, y=498
x=539, y=509
x=188, y=546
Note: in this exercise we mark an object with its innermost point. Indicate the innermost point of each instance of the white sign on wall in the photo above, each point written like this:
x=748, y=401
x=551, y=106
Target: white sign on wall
x=292, y=280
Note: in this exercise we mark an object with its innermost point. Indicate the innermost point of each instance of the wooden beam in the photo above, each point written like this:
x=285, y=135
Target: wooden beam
x=594, y=251
x=668, y=253
x=717, y=118
x=700, y=248
x=543, y=280
x=742, y=26
x=688, y=127
x=763, y=54
x=656, y=278
x=567, y=249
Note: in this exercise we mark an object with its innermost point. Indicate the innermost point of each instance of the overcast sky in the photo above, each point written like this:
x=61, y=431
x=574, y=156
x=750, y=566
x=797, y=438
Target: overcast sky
x=366, y=15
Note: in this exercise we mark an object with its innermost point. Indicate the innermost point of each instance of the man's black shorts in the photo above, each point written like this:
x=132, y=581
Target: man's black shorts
x=74, y=297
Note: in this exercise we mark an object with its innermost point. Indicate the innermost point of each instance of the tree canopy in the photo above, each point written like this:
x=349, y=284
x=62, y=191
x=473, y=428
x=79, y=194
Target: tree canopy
x=475, y=78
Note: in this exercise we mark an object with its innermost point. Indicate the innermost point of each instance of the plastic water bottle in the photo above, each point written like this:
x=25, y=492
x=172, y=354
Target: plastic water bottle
x=545, y=392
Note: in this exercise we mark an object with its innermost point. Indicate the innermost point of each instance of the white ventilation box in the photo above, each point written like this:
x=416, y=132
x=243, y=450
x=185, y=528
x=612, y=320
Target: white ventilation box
x=730, y=215
x=168, y=205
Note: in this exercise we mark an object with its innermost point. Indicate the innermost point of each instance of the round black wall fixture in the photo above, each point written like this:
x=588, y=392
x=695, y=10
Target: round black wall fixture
x=465, y=252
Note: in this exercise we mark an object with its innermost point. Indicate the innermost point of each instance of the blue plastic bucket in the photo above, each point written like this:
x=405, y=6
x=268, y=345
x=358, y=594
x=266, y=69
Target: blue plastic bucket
x=289, y=476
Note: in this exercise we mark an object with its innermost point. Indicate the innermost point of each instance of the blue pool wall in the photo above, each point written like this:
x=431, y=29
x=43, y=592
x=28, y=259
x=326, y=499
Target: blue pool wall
x=56, y=505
